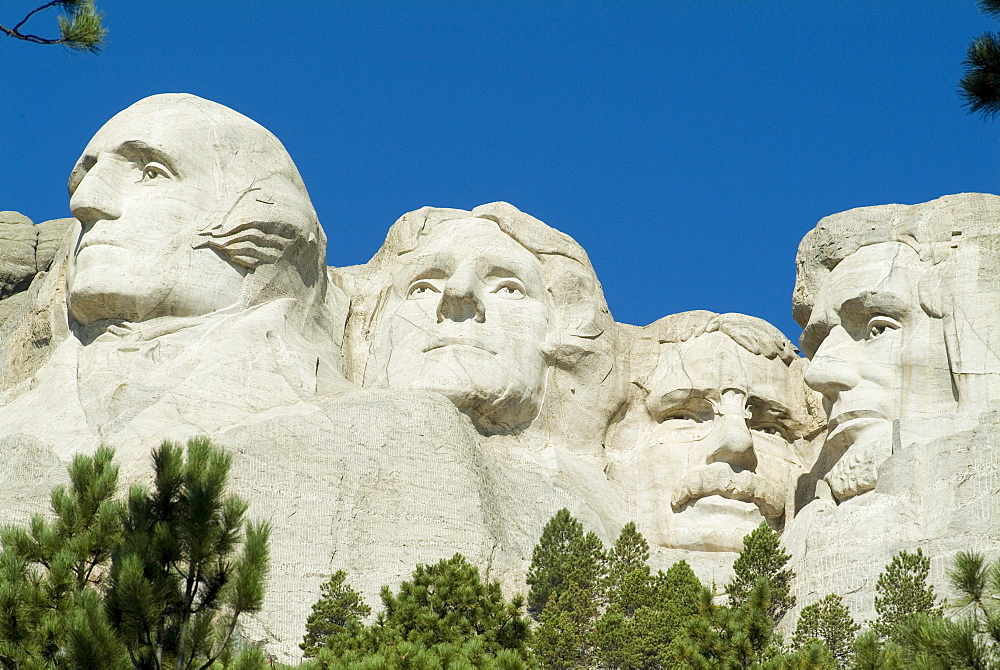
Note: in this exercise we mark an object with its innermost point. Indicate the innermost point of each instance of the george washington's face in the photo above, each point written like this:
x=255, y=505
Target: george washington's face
x=720, y=459
x=144, y=186
x=466, y=316
x=876, y=357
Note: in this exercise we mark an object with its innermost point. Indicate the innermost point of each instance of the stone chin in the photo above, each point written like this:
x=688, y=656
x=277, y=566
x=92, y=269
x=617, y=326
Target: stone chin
x=495, y=394
x=713, y=523
x=490, y=410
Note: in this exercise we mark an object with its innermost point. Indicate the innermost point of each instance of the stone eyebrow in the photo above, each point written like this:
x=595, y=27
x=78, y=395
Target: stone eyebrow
x=774, y=409
x=676, y=398
x=145, y=152
x=872, y=302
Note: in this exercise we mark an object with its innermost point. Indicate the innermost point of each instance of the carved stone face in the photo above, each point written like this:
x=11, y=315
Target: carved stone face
x=720, y=458
x=144, y=186
x=466, y=317
x=877, y=357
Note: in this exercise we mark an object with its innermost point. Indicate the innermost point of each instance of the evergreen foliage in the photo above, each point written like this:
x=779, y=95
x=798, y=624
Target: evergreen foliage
x=551, y=559
x=445, y=616
x=180, y=580
x=828, y=621
x=979, y=87
x=80, y=26
x=143, y=585
x=762, y=557
x=632, y=620
x=49, y=571
x=727, y=638
x=339, y=608
x=902, y=590
x=660, y=605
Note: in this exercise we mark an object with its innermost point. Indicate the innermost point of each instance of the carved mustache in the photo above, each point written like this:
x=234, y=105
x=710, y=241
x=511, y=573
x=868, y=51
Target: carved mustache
x=847, y=417
x=721, y=480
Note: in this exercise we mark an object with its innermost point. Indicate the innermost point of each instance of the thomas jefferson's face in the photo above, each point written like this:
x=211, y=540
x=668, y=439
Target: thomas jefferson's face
x=720, y=458
x=876, y=356
x=144, y=186
x=466, y=316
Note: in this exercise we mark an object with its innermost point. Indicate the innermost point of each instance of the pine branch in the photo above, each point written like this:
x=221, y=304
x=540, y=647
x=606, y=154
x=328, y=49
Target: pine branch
x=80, y=29
x=980, y=86
x=991, y=7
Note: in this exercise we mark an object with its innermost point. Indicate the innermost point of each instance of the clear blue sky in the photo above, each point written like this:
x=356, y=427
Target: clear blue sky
x=687, y=146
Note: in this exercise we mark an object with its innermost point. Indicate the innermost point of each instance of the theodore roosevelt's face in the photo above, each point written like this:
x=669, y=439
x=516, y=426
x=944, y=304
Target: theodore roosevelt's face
x=466, y=316
x=876, y=356
x=142, y=189
x=720, y=458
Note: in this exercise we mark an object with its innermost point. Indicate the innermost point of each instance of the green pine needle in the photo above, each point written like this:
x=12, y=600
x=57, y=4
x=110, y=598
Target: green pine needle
x=82, y=29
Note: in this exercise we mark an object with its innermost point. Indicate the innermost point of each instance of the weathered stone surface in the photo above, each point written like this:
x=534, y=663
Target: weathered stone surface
x=51, y=236
x=17, y=253
x=899, y=306
x=454, y=392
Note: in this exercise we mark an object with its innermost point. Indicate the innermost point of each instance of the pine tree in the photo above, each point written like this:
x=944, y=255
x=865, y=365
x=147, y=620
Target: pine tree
x=742, y=638
x=339, y=608
x=628, y=574
x=828, y=620
x=180, y=580
x=80, y=26
x=444, y=616
x=762, y=557
x=640, y=641
x=567, y=636
x=902, y=590
x=550, y=559
x=47, y=568
x=980, y=85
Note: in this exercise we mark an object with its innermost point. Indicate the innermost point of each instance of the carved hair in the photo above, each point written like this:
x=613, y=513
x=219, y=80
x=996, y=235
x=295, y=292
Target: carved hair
x=755, y=335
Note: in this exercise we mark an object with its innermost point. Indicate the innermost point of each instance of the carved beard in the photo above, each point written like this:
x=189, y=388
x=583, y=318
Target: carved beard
x=857, y=470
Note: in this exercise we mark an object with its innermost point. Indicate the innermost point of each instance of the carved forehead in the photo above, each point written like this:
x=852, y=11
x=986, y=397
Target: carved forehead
x=457, y=240
x=715, y=361
x=197, y=131
x=932, y=229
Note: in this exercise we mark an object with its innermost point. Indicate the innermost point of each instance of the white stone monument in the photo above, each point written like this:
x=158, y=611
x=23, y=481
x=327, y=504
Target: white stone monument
x=454, y=392
x=899, y=307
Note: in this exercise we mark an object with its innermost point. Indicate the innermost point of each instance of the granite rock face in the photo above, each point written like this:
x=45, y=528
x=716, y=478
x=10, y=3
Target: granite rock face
x=899, y=308
x=454, y=392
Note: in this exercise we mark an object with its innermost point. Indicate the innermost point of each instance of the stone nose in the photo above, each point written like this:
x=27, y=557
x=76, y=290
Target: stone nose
x=831, y=369
x=97, y=196
x=732, y=442
x=461, y=298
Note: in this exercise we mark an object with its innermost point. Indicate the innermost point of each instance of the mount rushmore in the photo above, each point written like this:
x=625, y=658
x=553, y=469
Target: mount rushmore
x=455, y=391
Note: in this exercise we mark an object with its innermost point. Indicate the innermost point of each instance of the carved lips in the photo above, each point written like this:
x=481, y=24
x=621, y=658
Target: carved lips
x=442, y=341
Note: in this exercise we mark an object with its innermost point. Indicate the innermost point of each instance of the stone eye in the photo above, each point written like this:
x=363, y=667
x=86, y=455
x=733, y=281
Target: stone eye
x=422, y=289
x=878, y=325
x=769, y=429
x=510, y=289
x=684, y=415
x=154, y=171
